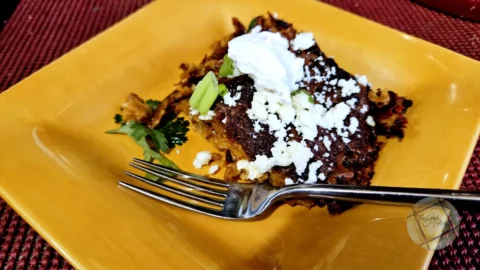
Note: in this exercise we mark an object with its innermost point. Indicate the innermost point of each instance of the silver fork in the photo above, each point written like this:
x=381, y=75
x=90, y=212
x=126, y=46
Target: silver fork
x=236, y=201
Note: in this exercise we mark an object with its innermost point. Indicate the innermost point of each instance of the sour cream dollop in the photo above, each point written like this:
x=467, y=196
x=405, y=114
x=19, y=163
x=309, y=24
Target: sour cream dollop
x=265, y=57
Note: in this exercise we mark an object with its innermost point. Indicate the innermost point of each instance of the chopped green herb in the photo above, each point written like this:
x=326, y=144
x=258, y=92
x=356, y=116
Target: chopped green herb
x=118, y=118
x=174, y=130
x=139, y=133
x=222, y=89
x=303, y=91
x=252, y=24
x=153, y=104
x=161, y=140
x=227, y=67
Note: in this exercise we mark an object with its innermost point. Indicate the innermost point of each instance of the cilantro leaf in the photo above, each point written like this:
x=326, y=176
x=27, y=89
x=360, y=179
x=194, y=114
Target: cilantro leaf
x=174, y=130
x=161, y=140
x=118, y=118
x=139, y=133
x=153, y=104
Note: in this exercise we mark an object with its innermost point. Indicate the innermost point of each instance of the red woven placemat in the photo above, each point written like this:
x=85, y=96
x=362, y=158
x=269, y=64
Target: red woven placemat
x=42, y=30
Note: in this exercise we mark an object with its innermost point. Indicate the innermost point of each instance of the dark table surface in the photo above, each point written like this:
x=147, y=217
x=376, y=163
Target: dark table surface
x=39, y=31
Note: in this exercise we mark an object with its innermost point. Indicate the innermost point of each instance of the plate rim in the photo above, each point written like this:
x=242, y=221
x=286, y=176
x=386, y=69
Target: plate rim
x=10, y=200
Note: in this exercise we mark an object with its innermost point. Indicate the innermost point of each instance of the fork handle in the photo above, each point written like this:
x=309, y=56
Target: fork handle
x=462, y=200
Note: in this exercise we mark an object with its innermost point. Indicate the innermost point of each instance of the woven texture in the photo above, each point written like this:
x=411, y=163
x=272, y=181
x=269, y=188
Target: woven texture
x=42, y=30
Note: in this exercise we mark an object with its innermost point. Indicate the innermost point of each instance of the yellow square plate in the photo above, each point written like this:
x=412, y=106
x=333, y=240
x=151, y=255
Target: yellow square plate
x=59, y=170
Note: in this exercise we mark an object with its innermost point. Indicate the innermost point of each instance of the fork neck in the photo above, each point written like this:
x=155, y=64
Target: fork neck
x=380, y=195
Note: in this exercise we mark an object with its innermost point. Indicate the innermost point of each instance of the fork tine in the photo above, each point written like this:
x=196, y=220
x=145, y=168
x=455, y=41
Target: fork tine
x=184, y=174
x=177, y=191
x=172, y=201
x=211, y=191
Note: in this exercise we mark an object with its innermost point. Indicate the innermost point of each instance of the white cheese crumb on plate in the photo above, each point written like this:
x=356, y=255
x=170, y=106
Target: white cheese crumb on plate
x=213, y=169
x=202, y=159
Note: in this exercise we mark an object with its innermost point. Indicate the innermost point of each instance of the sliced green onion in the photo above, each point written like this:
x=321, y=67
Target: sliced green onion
x=252, y=24
x=310, y=99
x=227, y=67
x=208, y=98
x=303, y=91
x=205, y=93
x=201, y=88
x=222, y=89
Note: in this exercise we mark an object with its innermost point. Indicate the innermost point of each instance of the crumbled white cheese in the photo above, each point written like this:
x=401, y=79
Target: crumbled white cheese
x=261, y=165
x=283, y=154
x=289, y=181
x=303, y=41
x=315, y=147
x=327, y=142
x=239, y=88
x=348, y=87
x=334, y=81
x=257, y=127
x=213, y=169
x=224, y=120
x=353, y=125
x=328, y=103
x=320, y=97
x=342, y=133
x=370, y=121
x=362, y=80
x=202, y=158
x=286, y=113
x=300, y=154
x=326, y=155
x=193, y=111
x=364, y=108
x=351, y=102
x=312, y=171
x=345, y=140
x=277, y=70
x=322, y=177
x=231, y=101
x=333, y=117
x=334, y=70
x=209, y=116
